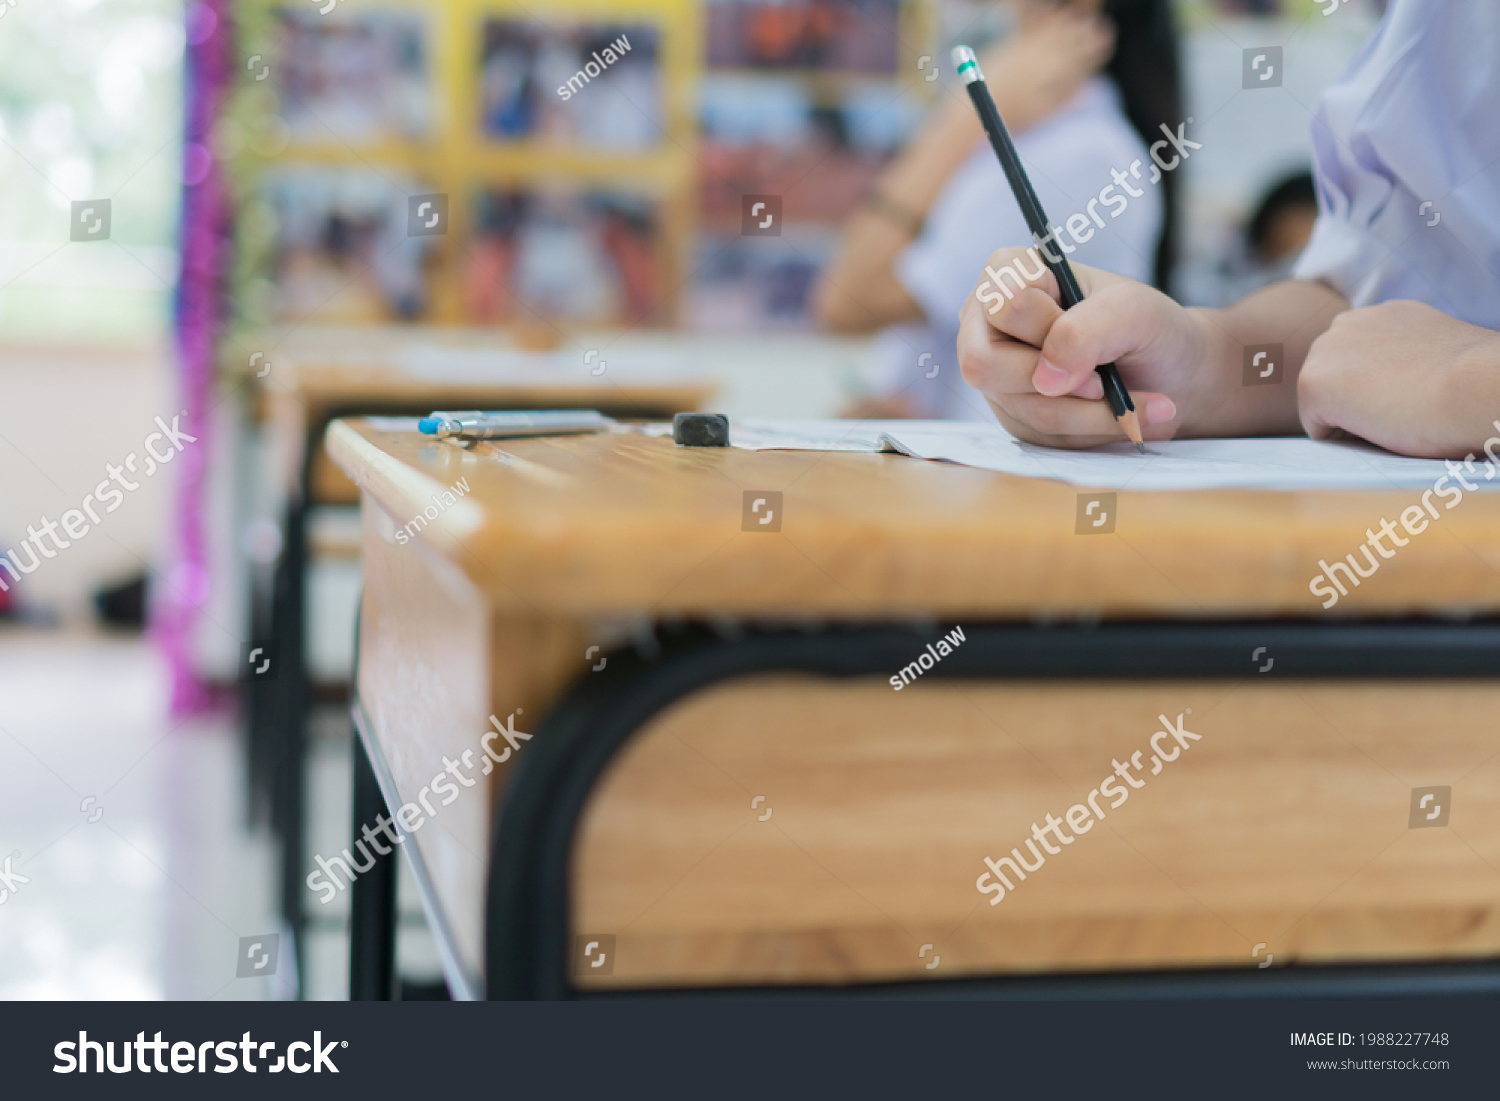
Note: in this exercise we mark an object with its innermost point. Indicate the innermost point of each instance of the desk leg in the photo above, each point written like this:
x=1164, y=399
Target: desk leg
x=288, y=736
x=372, y=902
x=260, y=701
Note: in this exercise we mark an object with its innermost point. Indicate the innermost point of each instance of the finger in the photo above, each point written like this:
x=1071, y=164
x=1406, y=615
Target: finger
x=1026, y=433
x=1318, y=383
x=1028, y=317
x=1109, y=326
x=1090, y=389
x=1006, y=279
x=1318, y=427
x=1004, y=362
x=1074, y=421
x=992, y=363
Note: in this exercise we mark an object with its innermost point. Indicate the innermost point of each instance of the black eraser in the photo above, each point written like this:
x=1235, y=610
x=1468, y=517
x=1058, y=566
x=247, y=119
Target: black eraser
x=701, y=429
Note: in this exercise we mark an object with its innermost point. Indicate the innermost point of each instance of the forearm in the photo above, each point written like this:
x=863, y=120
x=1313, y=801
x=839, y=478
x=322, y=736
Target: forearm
x=920, y=170
x=859, y=291
x=1221, y=400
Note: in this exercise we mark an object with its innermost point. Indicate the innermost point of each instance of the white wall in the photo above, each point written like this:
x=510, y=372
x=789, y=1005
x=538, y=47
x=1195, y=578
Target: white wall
x=64, y=415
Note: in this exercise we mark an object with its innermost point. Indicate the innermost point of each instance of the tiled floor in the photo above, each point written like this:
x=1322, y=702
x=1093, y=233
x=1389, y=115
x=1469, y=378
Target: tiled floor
x=140, y=871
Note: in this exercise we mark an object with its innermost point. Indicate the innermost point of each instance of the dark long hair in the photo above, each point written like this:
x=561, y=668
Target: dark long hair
x=1147, y=69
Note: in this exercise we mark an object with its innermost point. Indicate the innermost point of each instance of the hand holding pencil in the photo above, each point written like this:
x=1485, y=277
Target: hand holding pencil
x=1036, y=363
x=1064, y=282
x=967, y=65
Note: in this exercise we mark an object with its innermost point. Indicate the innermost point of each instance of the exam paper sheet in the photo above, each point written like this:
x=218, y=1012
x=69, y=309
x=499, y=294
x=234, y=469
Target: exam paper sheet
x=1281, y=463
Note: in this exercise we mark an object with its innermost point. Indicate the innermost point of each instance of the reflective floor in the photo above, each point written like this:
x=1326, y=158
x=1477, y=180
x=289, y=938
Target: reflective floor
x=128, y=868
x=141, y=876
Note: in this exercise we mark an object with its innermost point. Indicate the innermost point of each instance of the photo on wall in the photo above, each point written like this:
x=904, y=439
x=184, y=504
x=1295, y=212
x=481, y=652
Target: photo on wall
x=343, y=254
x=819, y=151
x=556, y=253
x=357, y=77
x=597, y=85
x=839, y=36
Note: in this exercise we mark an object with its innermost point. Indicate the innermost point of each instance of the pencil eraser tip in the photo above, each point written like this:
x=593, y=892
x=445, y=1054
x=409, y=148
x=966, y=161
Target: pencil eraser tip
x=429, y=425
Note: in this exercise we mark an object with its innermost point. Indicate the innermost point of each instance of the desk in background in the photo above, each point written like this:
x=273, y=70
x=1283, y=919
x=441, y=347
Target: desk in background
x=723, y=789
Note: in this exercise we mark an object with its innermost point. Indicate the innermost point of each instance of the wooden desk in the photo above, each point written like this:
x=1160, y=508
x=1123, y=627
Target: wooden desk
x=324, y=375
x=740, y=797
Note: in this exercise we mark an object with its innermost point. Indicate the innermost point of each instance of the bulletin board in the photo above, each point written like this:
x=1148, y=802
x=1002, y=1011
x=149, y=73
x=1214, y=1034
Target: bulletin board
x=548, y=210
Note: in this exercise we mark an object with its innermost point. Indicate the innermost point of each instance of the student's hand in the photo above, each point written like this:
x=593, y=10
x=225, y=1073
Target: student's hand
x=1034, y=362
x=1034, y=71
x=1405, y=376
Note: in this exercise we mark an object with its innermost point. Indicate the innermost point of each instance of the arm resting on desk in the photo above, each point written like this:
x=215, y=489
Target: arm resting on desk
x=1400, y=374
x=1035, y=362
x=1405, y=376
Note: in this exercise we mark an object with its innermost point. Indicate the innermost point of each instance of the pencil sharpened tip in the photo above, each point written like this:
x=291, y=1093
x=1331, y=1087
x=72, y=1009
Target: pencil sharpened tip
x=1131, y=425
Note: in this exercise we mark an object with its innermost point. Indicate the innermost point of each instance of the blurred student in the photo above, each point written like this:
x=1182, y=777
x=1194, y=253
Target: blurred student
x=1388, y=328
x=1283, y=222
x=1084, y=85
x=1265, y=252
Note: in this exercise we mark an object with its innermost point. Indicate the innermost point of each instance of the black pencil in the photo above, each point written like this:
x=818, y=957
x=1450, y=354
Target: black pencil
x=1036, y=220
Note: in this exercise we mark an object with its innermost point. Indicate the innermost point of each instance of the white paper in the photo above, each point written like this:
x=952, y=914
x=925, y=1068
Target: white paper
x=1281, y=463
x=829, y=435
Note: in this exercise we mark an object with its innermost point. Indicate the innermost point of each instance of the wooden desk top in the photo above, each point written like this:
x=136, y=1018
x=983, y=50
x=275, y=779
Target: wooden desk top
x=630, y=525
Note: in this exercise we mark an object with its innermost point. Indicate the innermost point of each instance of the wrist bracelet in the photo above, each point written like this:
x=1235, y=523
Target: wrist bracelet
x=893, y=212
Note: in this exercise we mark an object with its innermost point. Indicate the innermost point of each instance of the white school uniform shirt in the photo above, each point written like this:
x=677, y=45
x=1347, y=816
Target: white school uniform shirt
x=1406, y=153
x=1069, y=157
